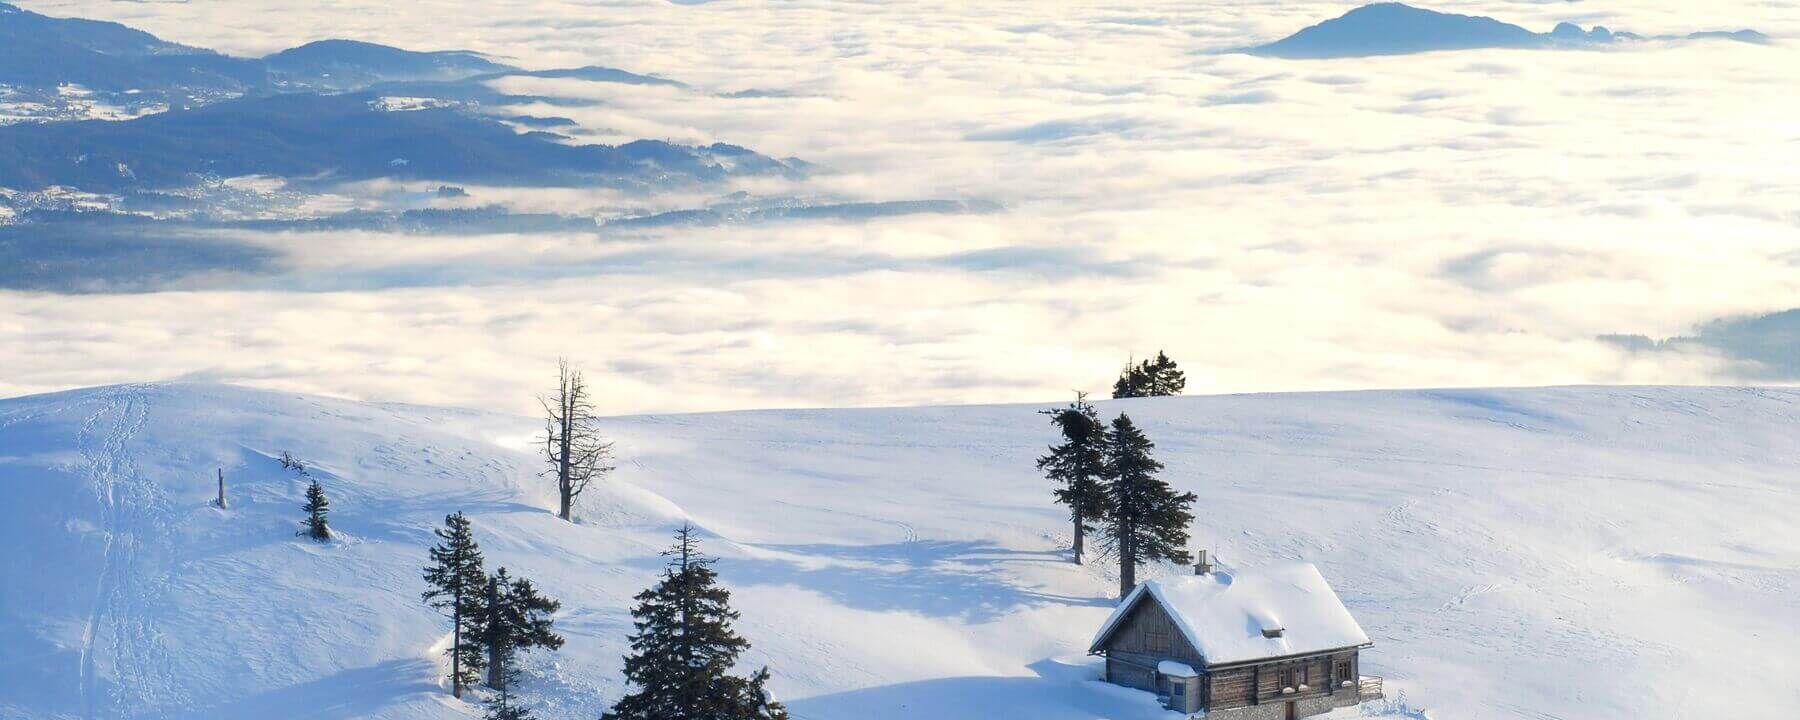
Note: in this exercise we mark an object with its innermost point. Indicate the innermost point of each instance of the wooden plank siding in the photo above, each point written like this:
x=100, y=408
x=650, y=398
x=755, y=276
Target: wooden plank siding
x=1132, y=672
x=1231, y=687
x=1145, y=637
x=1147, y=622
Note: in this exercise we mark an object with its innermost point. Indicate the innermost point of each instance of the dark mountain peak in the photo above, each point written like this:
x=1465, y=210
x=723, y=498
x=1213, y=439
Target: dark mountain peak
x=1746, y=36
x=346, y=64
x=38, y=53
x=1393, y=28
x=1568, y=32
x=141, y=73
x=18, y=25
x=1397, y=29
x=358, y=51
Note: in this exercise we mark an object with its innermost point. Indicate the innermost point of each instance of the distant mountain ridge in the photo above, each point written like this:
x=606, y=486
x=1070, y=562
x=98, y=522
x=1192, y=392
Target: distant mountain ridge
x=140, y=72
x=326, y=111
x=99, y=36
x=280, y=136
x=1398, y=29
x=349, y=64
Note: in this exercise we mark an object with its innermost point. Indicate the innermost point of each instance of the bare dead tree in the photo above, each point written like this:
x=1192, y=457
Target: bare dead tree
x=572, y=444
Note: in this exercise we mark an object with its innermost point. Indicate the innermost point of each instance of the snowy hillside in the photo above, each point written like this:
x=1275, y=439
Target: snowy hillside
x=1573, y=553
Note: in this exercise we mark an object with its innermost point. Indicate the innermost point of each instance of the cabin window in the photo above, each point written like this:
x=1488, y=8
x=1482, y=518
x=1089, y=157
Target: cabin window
x=1178, y=689
x=1293, y=677
x=1156, y=642
x=1343, y=671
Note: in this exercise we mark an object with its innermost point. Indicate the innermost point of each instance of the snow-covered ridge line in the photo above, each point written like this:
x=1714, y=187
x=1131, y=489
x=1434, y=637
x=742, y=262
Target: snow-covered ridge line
x=1580, y=552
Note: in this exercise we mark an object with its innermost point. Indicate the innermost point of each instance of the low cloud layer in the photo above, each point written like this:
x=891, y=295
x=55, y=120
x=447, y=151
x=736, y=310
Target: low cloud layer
x=1470, y=218
x=1757, y=348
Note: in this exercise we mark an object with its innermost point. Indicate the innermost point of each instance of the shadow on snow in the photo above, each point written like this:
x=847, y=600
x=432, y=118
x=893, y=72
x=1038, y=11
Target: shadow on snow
x=937, y=578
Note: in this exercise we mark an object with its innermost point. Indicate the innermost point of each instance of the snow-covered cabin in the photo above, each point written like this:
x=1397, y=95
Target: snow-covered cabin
x=1270, y=643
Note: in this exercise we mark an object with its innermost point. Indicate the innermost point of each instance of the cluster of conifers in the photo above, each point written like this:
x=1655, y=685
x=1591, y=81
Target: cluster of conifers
x=682, y=648
x=1108, y=479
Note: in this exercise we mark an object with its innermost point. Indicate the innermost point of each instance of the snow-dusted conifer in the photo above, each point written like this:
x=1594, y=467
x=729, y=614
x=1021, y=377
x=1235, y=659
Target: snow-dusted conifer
x=316, y=508
x=684, y=648
x=518, y=619
x=1077, y=465
x=1146, y=520
x=458, y=585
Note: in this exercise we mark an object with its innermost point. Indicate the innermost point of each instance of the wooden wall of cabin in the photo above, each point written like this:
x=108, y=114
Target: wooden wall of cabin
x=1232, y=687
x=1135, y=635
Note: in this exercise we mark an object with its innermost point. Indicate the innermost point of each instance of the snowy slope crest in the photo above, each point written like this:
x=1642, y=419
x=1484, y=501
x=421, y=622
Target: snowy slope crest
x=1578, y=552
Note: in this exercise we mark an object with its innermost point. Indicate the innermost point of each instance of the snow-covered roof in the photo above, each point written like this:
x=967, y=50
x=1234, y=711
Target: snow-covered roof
x=1231, y=617
x=1174, y=669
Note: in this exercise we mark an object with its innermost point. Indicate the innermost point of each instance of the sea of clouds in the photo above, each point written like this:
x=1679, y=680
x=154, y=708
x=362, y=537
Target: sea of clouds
x=1447, y=219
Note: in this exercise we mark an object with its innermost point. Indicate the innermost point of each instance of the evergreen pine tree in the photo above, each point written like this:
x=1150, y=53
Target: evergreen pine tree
x=1150, y=378
x=1077, y=465
x=458, y=586
x=1164, y=377
x=1133, y=382
x=684, y=648
x=1146, y=519
x=518, y=619
x=316, y=507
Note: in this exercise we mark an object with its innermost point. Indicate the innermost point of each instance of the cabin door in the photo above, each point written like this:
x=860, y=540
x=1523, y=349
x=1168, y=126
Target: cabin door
x=1293, y=712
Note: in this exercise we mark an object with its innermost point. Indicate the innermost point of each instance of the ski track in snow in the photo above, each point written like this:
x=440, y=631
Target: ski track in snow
x=130, y=508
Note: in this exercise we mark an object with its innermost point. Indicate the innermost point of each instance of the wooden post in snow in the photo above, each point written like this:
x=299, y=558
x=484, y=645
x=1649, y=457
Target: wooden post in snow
x=222, y=505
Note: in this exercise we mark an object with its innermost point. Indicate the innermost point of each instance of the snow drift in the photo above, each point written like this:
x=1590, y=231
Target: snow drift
x=1580, y=552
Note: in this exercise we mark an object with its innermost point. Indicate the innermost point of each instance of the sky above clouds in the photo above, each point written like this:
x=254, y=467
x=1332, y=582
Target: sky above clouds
x=1447, y=219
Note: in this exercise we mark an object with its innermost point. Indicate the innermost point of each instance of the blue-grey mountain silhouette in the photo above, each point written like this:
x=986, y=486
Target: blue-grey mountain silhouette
x=1399, y=29
x=335, y=138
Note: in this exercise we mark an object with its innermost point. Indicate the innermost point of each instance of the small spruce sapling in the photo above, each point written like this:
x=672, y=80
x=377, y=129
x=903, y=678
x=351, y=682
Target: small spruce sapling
x=316, y=509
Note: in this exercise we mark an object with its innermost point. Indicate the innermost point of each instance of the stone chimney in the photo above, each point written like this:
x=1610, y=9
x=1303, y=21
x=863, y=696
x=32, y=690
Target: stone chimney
x=1202, y=563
